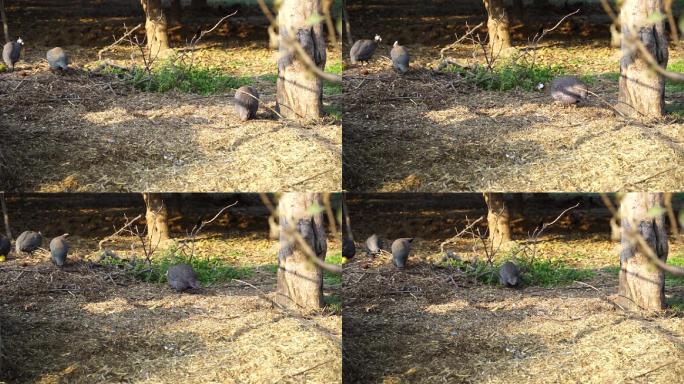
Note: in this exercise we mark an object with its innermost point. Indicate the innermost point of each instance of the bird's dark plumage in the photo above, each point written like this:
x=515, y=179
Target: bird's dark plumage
x=363, y=50
x=5, y=245
x=59, y=248
x=509, y=274
x=373, y=244
x=182, y=277
x=11, y=52
x=348, y=247
x=400, y=57
x=400, y=251
x=246, y=106
x=57, y=59
x=29, y=241
x=568, y=90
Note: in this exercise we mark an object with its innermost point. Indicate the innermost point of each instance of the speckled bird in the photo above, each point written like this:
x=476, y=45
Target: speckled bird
x=363, y=50
x=11, y=52
x=246, y=106
x=400, y=57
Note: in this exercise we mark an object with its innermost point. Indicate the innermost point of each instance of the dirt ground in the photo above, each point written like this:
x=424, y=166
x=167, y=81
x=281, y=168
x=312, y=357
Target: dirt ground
x=432, y=324
x=87, y=132
x=93, y=324
x=432, y=132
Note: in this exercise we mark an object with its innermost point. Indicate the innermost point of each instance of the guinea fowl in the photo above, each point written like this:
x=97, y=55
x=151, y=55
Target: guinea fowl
x=400, y=251
x=5, y=246
x=373, y=244
x=400, y=57
x=182, y=277
x=29, y=241
x=11, y=52
x=568, y=90
x=59, y=249
x=509, y=274
x=57, y=59
x=348, y=247
x=246, y=106
x=363, y=50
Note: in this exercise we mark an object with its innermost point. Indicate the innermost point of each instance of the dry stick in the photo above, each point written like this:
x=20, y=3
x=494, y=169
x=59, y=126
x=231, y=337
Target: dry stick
x=5, y=216
x=649, y=177
x=196, y=230
x=304, y=370
x=128, y=224
x=459, y=234
x=103, y=50
x=604, y=295
x=652, y=370
x=458, y=40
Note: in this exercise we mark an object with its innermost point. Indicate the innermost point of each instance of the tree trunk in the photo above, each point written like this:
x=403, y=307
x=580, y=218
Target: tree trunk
x=346, y=25
x=5, y=24
x=498, y=219
x=299, y=92
x=300, y=281
x=642, y=283
x=5, y=216
x=155, y=28
x=157, y=218
x=642, y=90
x=497, y=27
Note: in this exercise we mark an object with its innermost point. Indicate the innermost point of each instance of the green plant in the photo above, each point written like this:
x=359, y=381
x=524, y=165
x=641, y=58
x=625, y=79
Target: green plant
x=209, y=269
x=507, y=76
x=171, y=75
x=539, y=272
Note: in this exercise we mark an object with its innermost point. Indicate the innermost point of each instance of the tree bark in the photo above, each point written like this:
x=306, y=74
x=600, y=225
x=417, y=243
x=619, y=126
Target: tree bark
x=299, y=92
x=300, y=281
x=498, y=219
x=642, y=90
x=5, y=24
x=346, y=25
x=155, y=28
x=497, y=27
x=641, y=282
x=157, y=218
x=5, y=216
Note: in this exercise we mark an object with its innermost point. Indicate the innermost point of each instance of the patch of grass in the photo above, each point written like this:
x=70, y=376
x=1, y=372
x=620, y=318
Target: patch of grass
x=334, y=111
x=675, y=86
x=269, y=78
x=671, y=280
x=507, y=76
x=675, y=304
x=333, y=278
x=182, y=78
x=3, y=68
x=538, y=272
x=333, y=303
x=208, y=270
x=613, y=270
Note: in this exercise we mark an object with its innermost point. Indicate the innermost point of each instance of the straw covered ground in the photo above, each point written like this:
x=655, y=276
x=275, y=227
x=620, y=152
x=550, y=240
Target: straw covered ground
x=431, y=323
x=434, y=131
x=90, y=323
x=87, y=131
